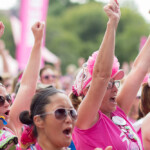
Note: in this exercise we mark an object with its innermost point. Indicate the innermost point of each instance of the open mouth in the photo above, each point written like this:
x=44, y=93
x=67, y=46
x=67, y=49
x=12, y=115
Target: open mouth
x=113, y=99
x=7, y=113
x=67, y=131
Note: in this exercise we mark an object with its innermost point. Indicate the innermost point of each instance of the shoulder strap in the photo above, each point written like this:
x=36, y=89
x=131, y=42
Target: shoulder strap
x=33, y=147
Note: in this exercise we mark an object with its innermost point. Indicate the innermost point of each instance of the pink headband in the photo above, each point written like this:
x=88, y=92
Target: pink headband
x=84, y=77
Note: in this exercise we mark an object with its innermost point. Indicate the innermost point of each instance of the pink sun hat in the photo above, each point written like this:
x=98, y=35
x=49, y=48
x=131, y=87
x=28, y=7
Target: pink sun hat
x=84, y=77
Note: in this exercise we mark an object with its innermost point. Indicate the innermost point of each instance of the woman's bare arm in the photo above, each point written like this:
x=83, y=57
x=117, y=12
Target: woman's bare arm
x=90, y=106
x=133, y=81
x=29, y=79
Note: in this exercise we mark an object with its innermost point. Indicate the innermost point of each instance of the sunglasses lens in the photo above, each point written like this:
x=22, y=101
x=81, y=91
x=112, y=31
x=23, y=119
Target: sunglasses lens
x=2, y=100
x=110, y=85
x=8, y=98
x=11, y=141
x=53, y=76
x=46, y=77
x=117, y=84
x=73, y=114
x=5, y=146
x=60, y=114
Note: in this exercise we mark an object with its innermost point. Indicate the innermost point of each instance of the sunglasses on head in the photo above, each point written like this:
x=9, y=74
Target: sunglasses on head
x=47, y=77
x=62, y=113
x=7, y=98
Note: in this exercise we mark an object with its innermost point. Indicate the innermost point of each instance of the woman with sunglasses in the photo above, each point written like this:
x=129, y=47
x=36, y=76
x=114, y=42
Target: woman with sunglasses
x=102, y=119
x=52, y=118
x=27, y=86
x=49, y=76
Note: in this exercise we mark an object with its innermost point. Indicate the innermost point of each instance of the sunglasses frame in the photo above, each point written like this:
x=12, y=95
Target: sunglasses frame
x=6, y=98
x=114, y=83
x=67, y=112
x=47, y=77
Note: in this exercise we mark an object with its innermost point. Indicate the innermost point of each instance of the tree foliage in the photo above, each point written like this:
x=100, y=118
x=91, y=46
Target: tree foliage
x=77, y=30
x=8, y=37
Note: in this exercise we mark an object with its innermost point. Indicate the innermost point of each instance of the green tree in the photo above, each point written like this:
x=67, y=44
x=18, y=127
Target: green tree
x=7, y=37
x=84, y=23
x=56, y=7
x=131, y=27
x=77, y=30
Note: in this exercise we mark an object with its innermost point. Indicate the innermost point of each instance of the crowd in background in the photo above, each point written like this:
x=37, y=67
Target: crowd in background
x=51, y=75
x=46, y=108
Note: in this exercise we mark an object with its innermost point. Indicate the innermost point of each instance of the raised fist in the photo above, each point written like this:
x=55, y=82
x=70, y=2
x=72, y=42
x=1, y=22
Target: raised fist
x=38, y=29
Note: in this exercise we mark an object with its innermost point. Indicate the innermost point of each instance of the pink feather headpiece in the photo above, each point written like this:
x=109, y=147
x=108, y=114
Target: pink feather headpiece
x=84, y=77
x=92, y=59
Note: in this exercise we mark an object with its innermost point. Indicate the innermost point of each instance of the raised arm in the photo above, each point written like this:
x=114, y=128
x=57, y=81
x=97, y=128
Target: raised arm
x=29, y=79
x=133, y=81
x=90, y=106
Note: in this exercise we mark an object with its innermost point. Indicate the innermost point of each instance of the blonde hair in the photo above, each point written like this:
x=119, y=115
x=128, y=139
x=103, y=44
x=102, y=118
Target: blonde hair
x=76, y=100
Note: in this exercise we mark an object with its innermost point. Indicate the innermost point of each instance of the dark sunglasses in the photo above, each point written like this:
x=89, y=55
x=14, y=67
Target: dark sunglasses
x=47, y=77
x=7, y=98
x=62, y=113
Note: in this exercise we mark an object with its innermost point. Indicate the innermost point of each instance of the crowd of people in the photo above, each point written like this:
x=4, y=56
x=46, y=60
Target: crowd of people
x=85, y=110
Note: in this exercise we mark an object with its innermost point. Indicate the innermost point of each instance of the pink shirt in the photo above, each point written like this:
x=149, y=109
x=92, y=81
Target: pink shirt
x=106, y=133
x=140, y=134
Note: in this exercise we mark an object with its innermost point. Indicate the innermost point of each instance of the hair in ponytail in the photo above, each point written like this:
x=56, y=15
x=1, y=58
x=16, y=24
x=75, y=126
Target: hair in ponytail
x=25, y=118
x=76, y=100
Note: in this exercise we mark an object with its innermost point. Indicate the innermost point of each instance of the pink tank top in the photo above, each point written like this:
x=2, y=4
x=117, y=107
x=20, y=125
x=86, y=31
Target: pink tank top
x=118, y=133
x=140, y=134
